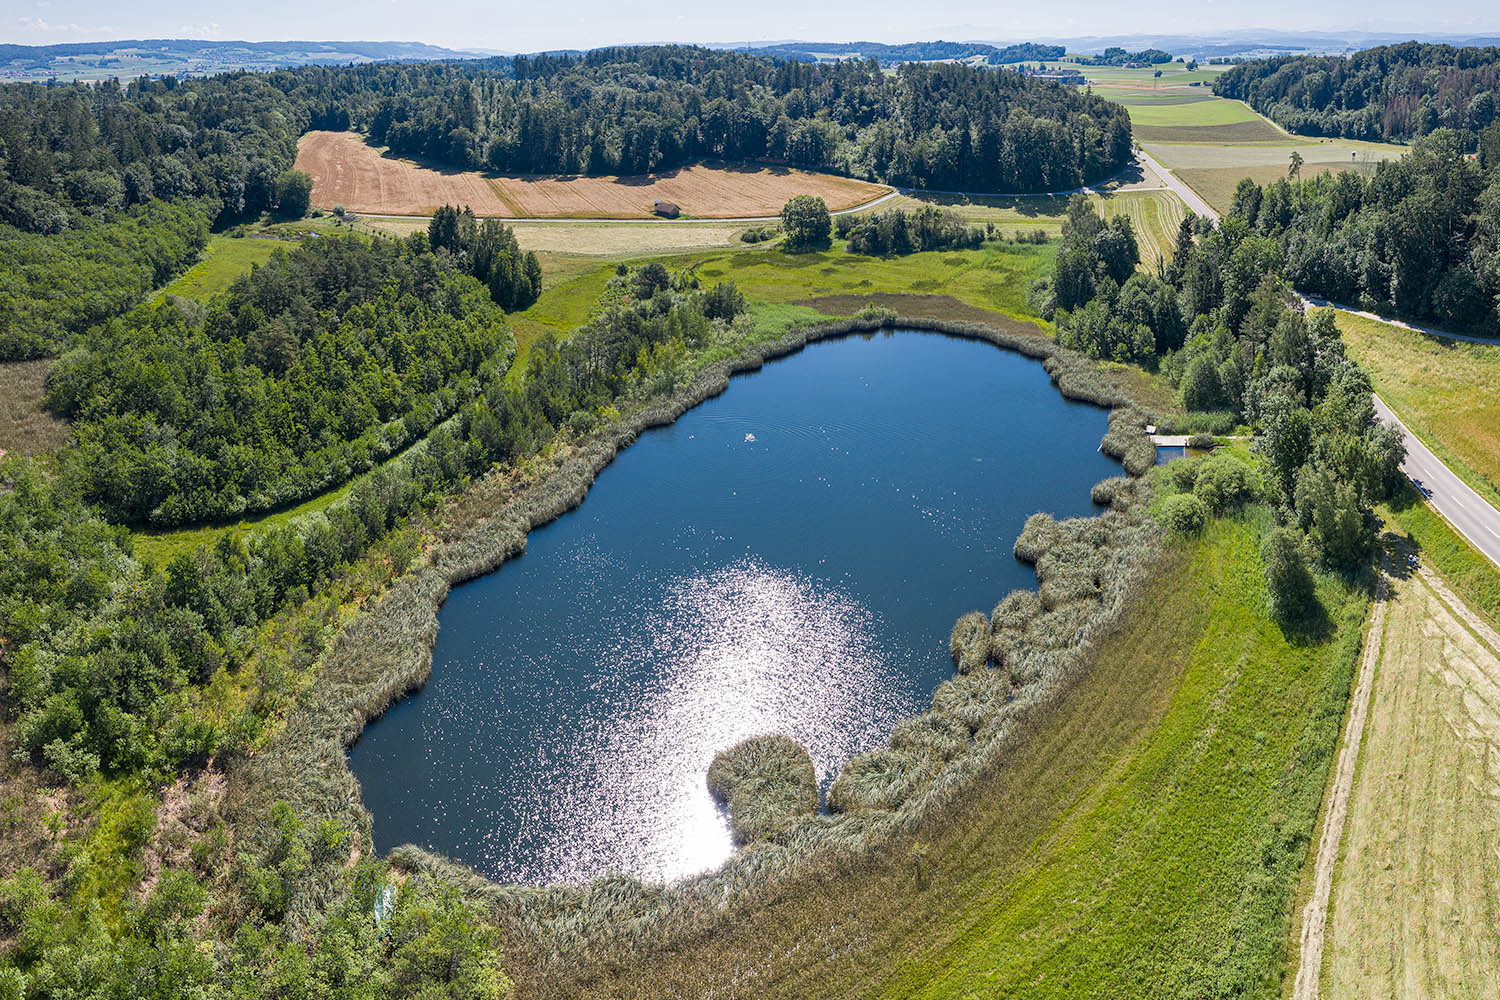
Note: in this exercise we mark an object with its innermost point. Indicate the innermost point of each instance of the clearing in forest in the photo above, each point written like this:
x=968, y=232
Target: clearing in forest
x=347, y=171
x=1420, y=865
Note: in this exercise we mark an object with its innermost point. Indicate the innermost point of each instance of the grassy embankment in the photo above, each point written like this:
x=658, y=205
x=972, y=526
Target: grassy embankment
x=1146, y=842
x=1446, y=391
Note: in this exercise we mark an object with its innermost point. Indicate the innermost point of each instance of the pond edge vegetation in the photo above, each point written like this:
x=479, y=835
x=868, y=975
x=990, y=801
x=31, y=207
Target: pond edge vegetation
x=1087, y=568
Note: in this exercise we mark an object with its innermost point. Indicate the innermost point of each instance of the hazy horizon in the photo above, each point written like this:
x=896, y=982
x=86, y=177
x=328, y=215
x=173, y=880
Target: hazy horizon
x=512, y=27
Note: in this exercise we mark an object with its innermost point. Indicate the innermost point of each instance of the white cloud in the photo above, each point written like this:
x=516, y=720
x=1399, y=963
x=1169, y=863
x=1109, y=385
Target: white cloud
x=200, y=31
x=42, y=26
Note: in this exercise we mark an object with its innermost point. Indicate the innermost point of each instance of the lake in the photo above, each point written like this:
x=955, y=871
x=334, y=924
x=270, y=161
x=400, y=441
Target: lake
x=789, y=556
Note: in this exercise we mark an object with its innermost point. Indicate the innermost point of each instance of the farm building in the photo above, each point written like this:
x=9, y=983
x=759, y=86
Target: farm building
x=666, y=209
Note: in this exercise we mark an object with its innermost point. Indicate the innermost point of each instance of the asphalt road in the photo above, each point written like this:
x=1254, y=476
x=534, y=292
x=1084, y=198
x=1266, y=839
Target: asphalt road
x=1190, y=197
x=1466, y=510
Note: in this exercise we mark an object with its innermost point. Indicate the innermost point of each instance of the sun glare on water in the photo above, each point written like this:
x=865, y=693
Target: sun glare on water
x=743, y=651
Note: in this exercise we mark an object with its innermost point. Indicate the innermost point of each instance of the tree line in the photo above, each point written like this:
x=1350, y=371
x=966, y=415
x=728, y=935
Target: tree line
x=228, y=139
x=1393, y=93
x=1226, y=327
x=1419, y=237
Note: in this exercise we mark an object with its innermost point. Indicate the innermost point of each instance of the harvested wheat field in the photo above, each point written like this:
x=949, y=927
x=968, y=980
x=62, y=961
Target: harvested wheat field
x=347, y=171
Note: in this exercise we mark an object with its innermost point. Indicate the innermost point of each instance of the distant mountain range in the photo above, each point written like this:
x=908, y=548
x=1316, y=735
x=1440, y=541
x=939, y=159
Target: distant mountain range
x=178, y=56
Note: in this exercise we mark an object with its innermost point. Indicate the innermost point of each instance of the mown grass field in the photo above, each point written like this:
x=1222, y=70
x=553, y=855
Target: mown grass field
x=599, y=239
x=224, y=259
x=1217, y=184
x=1314, y=152
x=1446, y=391
x=1465, y=568
x=1146, y=842
x=1214, y=111
x=1418, y=882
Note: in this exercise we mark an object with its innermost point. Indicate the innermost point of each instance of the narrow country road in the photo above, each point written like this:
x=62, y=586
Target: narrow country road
x=1470, y=513
x=1187, y=194
x=1473, y=516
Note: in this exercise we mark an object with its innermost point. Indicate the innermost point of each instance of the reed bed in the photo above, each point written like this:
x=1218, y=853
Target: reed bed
x=766, y=781
x=935, y=762
x=970, y=642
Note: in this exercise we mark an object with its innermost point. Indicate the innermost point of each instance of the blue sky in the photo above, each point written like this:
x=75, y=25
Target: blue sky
x=530, y=26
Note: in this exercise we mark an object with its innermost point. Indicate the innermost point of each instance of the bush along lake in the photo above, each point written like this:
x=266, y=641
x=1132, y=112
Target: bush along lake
x=787, y=557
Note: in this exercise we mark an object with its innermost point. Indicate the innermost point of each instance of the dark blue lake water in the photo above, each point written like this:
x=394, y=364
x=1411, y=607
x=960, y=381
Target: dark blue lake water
x=787, y=557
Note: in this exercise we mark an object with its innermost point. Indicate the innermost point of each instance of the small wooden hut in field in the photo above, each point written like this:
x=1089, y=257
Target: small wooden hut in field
x=666, y=209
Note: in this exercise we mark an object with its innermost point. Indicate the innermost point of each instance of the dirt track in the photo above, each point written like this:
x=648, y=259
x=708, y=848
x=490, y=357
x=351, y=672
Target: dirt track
x=1412, y=843
x=347, y=171
x=1314, y=916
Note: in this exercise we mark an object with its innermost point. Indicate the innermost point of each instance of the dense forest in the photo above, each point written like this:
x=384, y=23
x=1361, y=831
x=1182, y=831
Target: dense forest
x=310, y=369
x=1419, y=238
x=96, y=267
x=1116, y=56
x=1392, y=93
x=227, y=139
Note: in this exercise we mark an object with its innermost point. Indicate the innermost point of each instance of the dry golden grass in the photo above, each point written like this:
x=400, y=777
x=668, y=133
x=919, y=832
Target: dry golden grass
x=1419, y=886
x=347, y=171
x=26, y=428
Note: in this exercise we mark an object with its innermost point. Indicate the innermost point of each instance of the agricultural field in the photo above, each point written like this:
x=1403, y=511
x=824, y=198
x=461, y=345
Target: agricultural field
x=1419, y=873
x=1446, y=391
x=224, y=259
x=1154, y=211
x=597, y=239
x=1217, y=184
x=1315, y=153
x=25, y=427
x=347, y=171
x=1151, y=833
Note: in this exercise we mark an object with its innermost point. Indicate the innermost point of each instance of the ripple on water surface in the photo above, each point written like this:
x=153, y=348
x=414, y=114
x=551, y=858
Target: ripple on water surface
x=787, y=557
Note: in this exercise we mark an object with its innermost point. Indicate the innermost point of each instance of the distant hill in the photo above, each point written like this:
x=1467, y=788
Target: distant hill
x=891, y=55
x=189, y=57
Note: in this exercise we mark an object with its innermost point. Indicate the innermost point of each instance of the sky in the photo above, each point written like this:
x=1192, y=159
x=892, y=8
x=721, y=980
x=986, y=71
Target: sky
x=531, y=26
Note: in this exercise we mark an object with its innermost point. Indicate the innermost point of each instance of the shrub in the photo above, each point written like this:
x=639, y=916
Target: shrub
x=806, y=221
x=970, y=642
x=1223, y=483
x=1288, y=580
x=1184, y=514
x=1201, y=442
x=1181, y=474
x=765, y=781
x=757, y=234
